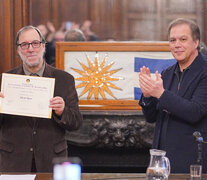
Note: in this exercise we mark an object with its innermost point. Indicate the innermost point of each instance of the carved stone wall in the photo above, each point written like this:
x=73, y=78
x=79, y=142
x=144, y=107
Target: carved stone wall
x=118, y=139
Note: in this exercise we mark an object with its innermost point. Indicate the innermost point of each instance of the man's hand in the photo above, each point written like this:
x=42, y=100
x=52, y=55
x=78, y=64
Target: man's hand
x=1, y=95
x=57, y=104
x=51, y=27
x=144, y=71
x=149, y=86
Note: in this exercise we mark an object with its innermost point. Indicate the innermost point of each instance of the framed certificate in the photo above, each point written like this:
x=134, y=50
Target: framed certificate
x=26, y=95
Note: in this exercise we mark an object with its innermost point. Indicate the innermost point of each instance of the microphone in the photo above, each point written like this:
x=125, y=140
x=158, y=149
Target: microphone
x=198, y=137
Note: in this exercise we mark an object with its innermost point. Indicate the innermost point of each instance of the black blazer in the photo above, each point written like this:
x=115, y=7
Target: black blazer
x=187, y=112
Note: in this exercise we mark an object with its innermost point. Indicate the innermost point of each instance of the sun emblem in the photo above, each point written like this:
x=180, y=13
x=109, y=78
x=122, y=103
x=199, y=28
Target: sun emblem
x=96, y=78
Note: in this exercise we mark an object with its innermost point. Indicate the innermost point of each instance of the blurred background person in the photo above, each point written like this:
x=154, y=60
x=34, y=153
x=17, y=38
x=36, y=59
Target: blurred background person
x=89, y=34
x=50, y=47
x=74, y=35
x=47, y=30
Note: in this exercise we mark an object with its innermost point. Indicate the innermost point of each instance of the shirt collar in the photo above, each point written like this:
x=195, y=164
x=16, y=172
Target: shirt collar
x=39, y=72
x=177, y=69
x=178, y=73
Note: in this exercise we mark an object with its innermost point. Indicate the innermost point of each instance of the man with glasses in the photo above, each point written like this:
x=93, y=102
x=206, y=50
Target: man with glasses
x=29, y=144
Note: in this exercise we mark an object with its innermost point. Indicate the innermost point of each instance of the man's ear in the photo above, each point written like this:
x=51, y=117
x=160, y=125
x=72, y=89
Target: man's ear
x=43, y=44
x=197, y=43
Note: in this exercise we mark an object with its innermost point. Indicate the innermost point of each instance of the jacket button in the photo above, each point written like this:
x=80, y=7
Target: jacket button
x=34, y=132
x=31, y=149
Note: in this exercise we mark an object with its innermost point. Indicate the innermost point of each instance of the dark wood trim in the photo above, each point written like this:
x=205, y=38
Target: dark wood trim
x=6, y=37
x=15, y=14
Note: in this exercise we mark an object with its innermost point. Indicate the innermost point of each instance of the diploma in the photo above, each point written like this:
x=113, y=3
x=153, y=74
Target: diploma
x=26, y=95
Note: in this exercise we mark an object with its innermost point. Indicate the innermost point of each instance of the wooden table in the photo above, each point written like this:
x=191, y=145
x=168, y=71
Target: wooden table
x=129, y=176
x=115, y=176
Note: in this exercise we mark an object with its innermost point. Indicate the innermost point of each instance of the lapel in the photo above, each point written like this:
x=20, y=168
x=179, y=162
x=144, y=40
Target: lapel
x=19, y=70
x=48, y=72
x=192, y=73
x=168, y=76
x=194, y=70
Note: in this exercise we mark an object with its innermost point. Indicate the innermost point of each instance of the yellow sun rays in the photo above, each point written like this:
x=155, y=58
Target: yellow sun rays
x=96, y=78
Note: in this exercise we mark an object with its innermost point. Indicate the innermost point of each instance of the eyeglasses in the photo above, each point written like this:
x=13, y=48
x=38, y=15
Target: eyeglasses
x=35, y=44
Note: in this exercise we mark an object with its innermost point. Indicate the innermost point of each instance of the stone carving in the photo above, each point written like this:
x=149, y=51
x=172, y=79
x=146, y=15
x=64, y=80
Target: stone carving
x=113, y=132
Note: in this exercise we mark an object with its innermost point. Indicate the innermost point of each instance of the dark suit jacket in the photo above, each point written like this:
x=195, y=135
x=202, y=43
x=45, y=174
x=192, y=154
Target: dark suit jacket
x=187, y=112
x=21, y=136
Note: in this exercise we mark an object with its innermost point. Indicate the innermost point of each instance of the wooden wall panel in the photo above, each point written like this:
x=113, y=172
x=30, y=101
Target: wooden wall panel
x=21, y=17
x=118, y=19
x=204, y=37
x=14, y=14
x=1, y=39
x=138, y=28
x=6, y=35
x=142, y=20
x=142, y=7
x=75, y=11
x=186, y=9
x=106, y=16
x=187, y=6
x=41, y=11
x=57, y=11
x=124, y=19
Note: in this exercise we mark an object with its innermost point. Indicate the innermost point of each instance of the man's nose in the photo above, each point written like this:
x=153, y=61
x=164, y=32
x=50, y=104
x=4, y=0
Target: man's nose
x=30, y=48
x=177, y=43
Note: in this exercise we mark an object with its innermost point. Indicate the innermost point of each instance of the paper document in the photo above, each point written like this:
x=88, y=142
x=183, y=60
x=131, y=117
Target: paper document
x=18, y=177
x=26, y=95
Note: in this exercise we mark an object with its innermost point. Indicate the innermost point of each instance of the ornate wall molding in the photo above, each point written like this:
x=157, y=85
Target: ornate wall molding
x=113, y=130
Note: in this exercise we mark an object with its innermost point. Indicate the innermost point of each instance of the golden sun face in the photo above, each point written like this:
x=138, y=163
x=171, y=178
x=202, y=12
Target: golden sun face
x=96, y=78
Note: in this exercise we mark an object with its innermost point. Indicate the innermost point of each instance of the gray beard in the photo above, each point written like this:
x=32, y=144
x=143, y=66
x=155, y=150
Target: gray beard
x=24, y=60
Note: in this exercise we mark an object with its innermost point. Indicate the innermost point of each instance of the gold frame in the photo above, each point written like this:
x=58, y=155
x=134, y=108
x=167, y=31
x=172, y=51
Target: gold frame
x=62, y=47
